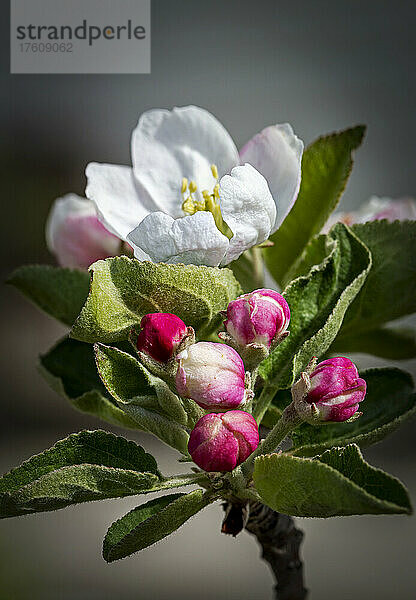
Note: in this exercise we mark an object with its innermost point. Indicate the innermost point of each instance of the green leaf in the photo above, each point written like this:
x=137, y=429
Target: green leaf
x=145, y=398
x=318, y=303
x=390, y=400
x=151, y=522
x=339, y=482
x=85, y=466
x=326, y=166
x=69, y=368
x=59, y=292
x=125, y=289
x=390, y=290
x=313, y=254
x=386, y=342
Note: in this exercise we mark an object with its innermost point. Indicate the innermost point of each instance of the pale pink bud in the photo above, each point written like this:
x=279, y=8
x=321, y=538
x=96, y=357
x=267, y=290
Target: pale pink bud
x=212, y=375
x=259, y=317
x=75, y=235
x=375, y=209
x=336, y=389
x=160, y=335
x=221, y=441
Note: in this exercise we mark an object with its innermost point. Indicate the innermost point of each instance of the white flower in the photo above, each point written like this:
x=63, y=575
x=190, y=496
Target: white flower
x=375, y=209
x=75, y=235
x=187, y=198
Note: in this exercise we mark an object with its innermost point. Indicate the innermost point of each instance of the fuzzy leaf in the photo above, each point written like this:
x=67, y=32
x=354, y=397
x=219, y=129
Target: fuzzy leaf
x=318, y=303
x=313, y=254
x=85, y=466
x=59, y=292
x=69, y=368
x=390, y=400
x=151, y=522
x=390, y=290
x=326, y=166
x=124, y=289
x=339, y=482
x=386, y=342
x=143, y=397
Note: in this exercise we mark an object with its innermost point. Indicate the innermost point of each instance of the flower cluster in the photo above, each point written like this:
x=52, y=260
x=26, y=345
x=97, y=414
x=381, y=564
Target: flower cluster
x=189, y=197
x=214, y=375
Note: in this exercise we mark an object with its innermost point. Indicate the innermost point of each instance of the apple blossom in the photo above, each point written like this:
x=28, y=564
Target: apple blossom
x=75, y=235
x=375, y=209
x=187, y=198
x=222, y=441
x=212, y=375
x=160, y=335
x=335, y=389
x=260, y=317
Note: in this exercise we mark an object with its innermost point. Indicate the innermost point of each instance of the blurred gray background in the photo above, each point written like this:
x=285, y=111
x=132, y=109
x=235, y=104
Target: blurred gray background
x=319, y=65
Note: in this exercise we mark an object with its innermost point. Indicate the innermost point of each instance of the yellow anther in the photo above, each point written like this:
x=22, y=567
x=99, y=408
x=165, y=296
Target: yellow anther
x=214, y=171
x=200, y=204
x=209, y=202
x=184, y=185
x=189, y=207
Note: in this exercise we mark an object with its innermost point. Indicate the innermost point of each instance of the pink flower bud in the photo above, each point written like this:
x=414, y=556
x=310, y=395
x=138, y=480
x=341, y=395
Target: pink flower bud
x=336, y=389
x=161, y=335
x=221, y=441
x=212, y=375
x=375, y=209
x=76, y=236
x=257, y=318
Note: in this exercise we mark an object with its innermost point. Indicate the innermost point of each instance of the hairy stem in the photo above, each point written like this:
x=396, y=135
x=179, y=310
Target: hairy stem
x=287, y=422
x=258, y=267
x=280, y=541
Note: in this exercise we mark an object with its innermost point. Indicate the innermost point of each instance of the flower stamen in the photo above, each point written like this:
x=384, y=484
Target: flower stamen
x=209, y=202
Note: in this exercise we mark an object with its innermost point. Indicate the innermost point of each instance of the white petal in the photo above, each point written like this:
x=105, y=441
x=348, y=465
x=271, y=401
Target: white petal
x=75, y=235
x=247, y=207
x=194, y=239
x=169, y=145
x=116, y=196
x=277, y=153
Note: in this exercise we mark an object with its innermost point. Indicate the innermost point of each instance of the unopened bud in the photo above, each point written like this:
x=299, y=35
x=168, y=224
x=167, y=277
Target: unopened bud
x=161, y=335
x=333, y=391
x=212, y=375
x=222, y=441
x=260, y=317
